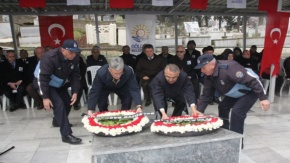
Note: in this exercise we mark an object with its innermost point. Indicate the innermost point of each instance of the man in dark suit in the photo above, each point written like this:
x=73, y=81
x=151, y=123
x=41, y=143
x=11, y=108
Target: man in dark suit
x=174, y=84
x=147, y=68
x=129, y=59
x=96, y=59
x=118, y=78
x=13, y=81
x=30, y=89
x=165, y=55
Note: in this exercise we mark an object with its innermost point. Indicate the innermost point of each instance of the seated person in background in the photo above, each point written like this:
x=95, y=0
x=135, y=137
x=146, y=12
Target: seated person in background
x=2, y=56
x=225, y=53
x=129, y=59
x=147, y=68
x=247, y=61
x=24, y=62
x=118, y=78
x=174, y=84
x=286, y=65
x=278, y=83
x=47, y=48
x=83, y=82
x=238, y=52
x=231, y=56
x=30, y=89
x=96, y=59
x=254, y=54
x=186, y=64
x=13, y=80
x=191, y=51
x=165, y=55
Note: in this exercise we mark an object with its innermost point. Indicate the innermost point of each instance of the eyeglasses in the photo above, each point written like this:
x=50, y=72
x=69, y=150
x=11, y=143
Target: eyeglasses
x=179, y=51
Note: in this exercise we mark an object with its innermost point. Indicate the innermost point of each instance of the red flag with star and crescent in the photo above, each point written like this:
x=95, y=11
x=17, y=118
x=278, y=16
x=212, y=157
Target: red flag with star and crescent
x=55, y=29
x=276, y=30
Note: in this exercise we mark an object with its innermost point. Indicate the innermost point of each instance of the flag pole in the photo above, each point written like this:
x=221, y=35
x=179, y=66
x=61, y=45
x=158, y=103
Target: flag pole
x=272, y=84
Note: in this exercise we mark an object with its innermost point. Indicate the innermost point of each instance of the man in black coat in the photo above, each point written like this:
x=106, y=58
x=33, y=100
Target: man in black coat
x=165, y=55
x=13, y=80
x=96, y=59
x=129, y=59
x=118, y=78
x=174, y=84
x=30, y=89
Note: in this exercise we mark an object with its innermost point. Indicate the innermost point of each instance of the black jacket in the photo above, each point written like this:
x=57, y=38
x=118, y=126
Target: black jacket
x=161, y=89
x=100, y=62
x=130, y=60
x=10, y=74
x=186, y=65
x=104, y=80
x=54, y=63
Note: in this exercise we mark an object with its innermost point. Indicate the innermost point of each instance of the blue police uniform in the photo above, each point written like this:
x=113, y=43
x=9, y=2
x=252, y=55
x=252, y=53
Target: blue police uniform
x=51, y=75
x=241, y=87
x=126, y=88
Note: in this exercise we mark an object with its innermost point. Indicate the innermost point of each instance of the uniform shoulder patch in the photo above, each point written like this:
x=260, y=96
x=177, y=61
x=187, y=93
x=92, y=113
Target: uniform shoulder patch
x=239, y=74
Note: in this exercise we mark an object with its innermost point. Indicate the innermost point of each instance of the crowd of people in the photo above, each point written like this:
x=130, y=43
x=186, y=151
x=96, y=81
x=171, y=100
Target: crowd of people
x=48, y=74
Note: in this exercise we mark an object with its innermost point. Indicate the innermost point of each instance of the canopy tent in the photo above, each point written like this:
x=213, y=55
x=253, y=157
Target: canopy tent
x=180, y=7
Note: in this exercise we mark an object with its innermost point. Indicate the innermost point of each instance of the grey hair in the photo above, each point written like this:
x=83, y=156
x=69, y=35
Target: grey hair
x=116, y=63
x=213, y=60
x=172, y=68
x=38, y=48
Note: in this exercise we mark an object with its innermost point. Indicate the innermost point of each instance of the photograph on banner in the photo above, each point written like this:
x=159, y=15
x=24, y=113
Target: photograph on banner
x=236, y=3
x=140, y=31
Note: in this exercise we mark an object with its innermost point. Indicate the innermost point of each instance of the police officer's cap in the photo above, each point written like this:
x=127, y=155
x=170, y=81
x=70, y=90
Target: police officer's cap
x=71, y=45
x=203, y=60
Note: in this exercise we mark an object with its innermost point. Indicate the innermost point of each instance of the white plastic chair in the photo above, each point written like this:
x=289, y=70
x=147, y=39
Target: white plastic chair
x=285, y=80
x=93, y=71
x=5, y=102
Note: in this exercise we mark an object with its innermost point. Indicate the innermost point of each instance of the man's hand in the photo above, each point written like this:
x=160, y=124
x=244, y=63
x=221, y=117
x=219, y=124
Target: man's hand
x=195, y=112
x=265, y=104
x=12, y=85
x=146, y=78
x=73, y=98
x=47, y=104
x=90, y=113
x=139, y=109
x=18, y=82
x=164, y=115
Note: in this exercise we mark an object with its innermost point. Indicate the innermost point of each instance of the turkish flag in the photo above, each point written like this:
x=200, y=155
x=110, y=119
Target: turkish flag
x=198, y=4
x=268, y=5
x=32, y=3
x=55, y=29
x=121, y=3
x=276, y=30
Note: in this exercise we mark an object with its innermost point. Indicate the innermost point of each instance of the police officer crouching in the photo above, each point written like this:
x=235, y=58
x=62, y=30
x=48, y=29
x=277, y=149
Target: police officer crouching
x=240, y=86
x=53, y=70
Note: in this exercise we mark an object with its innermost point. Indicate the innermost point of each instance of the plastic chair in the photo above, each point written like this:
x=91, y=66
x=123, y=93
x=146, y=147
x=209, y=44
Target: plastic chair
x=285, y=80
x=93, y=71
x=5, y=102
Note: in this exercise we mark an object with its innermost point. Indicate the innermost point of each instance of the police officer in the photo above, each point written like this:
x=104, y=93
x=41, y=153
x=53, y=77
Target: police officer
x=240, y=86
x=174, y=84
x=118, y=78
x=54, y=69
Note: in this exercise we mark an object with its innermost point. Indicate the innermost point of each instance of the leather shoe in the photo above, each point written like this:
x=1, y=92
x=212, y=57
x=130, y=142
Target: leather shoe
x=13, y=108
x=77, y=107
x=71, y=139
x=39, y=107
x=147, y=103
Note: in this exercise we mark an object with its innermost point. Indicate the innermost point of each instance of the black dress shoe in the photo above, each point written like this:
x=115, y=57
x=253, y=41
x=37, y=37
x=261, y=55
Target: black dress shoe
x=77, y=107
x=71, y=139
x=39, y=107
x=13, y=108
x=147, y=103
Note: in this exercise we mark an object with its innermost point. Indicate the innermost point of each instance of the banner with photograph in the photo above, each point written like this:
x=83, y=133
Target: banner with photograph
x=140, y=30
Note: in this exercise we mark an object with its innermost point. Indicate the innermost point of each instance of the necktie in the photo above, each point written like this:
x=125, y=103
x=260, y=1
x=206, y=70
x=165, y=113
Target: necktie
x=13, y=65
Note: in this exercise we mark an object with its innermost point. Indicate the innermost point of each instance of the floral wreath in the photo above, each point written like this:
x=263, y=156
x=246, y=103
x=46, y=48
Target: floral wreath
x=183, y=124
x=95, y=125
